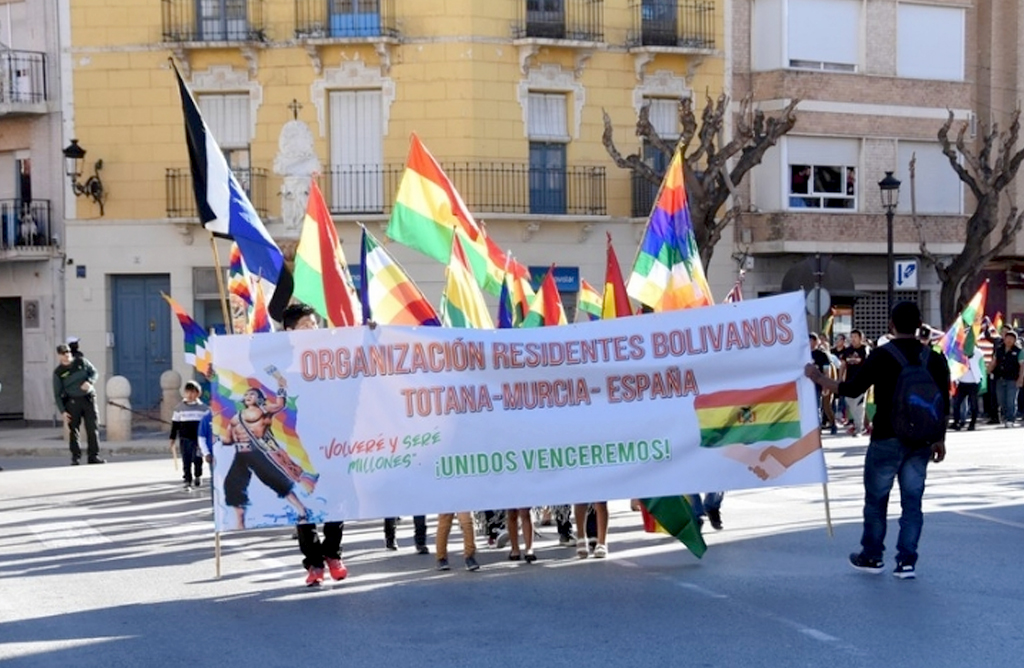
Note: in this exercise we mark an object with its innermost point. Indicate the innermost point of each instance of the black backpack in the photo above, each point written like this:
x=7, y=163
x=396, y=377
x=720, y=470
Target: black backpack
x=918, y=418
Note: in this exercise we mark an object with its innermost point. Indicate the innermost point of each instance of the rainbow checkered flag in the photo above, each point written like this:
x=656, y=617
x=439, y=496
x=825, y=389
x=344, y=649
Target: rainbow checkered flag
x=389, y=296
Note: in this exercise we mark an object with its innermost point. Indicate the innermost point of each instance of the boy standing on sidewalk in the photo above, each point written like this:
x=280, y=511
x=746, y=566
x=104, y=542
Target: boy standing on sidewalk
x=185, y=428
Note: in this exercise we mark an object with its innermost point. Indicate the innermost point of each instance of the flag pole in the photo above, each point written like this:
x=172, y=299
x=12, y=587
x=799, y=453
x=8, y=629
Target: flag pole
x=228, y=327
x=828, y=511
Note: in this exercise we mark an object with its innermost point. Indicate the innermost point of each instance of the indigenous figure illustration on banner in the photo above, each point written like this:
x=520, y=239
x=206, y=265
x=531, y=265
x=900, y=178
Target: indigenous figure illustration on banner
x=259, y=424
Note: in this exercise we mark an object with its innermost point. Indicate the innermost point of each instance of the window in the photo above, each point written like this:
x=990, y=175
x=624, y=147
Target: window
x=545, y=18
x=822, y=173
x=222, y=20
x=355, y=18
x=658, y=22
x=548, y=131
x=227, y=116
x=938, y=188
x=930, y=42
x=767, y=33
x=357, y=152
x=824, y=34
x=664, y=116
x=547, y=117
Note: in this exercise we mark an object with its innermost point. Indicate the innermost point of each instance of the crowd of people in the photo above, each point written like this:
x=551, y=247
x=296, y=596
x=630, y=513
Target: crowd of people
x=989, y=390
x=845, y=374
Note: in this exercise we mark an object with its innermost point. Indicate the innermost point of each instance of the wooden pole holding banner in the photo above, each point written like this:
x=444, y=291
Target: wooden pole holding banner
x=828, y=511
x=216, y=552
x=220, y=286
x=229, y=328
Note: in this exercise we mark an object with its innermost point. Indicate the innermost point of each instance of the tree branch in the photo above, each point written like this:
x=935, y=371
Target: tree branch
x=953, y=157
x=632, y=162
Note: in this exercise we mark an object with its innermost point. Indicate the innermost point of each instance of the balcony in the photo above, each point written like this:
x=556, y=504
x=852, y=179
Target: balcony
x=809, y=231
x=213, y=21
x=486, y=188
x=344, y=20
x=181, y=202
x=643, y=194
x=568, y=20
x=672, y=25
x=25, y=225
x=22, y=83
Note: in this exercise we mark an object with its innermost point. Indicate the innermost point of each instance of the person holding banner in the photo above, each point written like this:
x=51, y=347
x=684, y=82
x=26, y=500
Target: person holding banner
x=600, y=549
x=444, y=527
x=315, y=554
x=890, y=456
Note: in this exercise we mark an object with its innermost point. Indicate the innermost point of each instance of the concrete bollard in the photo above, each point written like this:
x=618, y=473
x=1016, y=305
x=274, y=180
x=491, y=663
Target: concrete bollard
x=170, y=387
x=119, y=420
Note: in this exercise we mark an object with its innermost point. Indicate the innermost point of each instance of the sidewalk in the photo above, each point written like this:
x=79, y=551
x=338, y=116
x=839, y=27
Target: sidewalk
x=17, y=440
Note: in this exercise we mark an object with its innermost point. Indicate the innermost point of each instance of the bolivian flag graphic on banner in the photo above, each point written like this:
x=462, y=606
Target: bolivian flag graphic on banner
x=744, y=417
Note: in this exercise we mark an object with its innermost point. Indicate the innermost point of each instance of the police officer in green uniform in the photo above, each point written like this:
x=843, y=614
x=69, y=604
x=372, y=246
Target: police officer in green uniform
x=75, y=393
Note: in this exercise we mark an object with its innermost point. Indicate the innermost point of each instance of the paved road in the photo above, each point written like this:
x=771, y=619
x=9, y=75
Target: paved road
x=113, y=566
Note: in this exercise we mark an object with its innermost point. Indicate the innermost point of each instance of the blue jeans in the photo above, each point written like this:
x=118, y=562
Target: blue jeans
x=887, y=460
x=711, y=501
x=1006, y=392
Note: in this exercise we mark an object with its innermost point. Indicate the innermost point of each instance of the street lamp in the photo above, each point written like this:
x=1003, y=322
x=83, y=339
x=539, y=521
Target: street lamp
x=74, y=157
x=890, y=188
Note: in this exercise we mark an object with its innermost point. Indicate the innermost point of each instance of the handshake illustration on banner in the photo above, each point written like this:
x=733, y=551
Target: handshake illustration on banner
x=771, y=462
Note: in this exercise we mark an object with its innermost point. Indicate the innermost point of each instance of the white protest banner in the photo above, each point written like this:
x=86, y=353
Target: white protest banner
x=359, y=423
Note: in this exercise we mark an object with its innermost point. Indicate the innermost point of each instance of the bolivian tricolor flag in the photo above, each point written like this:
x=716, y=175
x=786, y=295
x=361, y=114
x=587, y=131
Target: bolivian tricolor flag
x=743, y=417
x=427, y=212
x=462, y=304
x=588, y=301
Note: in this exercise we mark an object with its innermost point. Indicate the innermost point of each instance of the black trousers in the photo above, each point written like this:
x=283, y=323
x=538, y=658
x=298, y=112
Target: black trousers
x=314, y=551
x=83, y=409
x=419, y=523
x=991, y=404
x=968, y=391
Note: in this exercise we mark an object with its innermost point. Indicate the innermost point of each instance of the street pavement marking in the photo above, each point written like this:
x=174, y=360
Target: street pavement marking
x=64, y=535
x=16, y=650
x=698, y=589
x=803, y=629
x=818, y=635
x=967, y=513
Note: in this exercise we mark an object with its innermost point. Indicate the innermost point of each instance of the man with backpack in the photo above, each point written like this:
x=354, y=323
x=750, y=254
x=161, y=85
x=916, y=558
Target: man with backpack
x=912, y=400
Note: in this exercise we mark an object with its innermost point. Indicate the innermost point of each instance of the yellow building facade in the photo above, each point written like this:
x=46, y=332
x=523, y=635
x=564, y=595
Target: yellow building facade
x=508, y=95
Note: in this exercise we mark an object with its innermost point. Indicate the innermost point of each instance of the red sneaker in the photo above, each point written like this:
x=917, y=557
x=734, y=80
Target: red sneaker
x=337, y=568
x=315, y=576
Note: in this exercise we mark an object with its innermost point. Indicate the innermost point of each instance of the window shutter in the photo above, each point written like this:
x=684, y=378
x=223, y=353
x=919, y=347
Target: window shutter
x=227, y=116
x=547, y=117
x=664, y=115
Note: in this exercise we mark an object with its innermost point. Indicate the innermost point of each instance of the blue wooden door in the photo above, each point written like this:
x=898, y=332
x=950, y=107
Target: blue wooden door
x=142, y=335
x=547, y=178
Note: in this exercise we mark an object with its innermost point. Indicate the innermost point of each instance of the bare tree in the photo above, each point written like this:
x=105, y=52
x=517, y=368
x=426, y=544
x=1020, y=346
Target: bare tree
x=710, y=179
x=987, y=171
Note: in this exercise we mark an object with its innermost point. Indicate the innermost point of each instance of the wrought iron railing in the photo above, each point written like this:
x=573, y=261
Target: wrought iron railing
x=181, y=202
x=578, y=20
x=22, y=77
x=344, y=19
x=688, y=24
x=485, y=187
x=643, y=195
x=25, y=223
x=213, y=21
